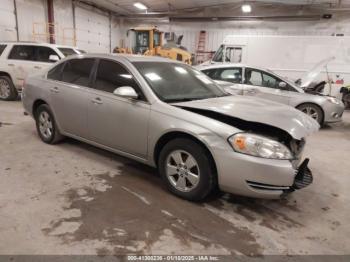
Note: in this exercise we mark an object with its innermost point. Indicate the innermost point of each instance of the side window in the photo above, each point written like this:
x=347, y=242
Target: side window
x=2, y=48
x=233, y=54
x=211, y=73
x=111, y=75
x=43, y=54
x=77, y=71
x=270, y=81
x=22, y=52
x=56, y=72
x=233, y=75
x=253, y=77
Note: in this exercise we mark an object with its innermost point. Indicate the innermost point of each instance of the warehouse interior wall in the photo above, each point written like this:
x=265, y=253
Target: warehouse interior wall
x=99, y=31
x=216, y=31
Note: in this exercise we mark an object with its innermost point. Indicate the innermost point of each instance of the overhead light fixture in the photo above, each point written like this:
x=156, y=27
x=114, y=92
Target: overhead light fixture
x=140, y=6
x=246, y=8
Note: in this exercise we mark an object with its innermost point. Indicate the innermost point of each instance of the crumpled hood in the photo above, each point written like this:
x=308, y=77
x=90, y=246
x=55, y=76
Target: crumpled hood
x=287, y=118
x=314, y=72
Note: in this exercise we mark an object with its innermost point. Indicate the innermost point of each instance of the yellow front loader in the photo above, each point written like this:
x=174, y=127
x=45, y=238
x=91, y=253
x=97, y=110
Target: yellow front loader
x=148, y=41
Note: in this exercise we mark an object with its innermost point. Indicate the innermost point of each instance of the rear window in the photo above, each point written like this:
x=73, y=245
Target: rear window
x=2, y=48
x=68, y=51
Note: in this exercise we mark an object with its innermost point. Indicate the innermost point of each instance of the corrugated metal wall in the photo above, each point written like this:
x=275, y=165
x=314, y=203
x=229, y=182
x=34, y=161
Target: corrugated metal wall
x=7, y=21
x=92, y=30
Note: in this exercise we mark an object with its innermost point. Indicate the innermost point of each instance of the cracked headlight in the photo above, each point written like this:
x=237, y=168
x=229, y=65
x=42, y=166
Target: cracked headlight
x=333, y=100
x=259, y=146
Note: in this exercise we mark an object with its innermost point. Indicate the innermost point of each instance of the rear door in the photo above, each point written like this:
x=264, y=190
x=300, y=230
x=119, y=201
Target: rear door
x=69, y=94
x=262, y=84
x=114, y=121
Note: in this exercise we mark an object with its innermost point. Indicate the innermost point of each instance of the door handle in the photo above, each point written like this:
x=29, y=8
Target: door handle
x=37, y=67
x=10, y=64
x=54, y=90
x=97, y=101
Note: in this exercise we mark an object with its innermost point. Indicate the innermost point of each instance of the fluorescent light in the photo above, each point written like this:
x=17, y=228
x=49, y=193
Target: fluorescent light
x=246, y=8
x=140, y=6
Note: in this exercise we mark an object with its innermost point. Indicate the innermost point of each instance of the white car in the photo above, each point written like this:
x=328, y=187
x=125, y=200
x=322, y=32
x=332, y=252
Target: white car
x=263, y=83
x=20, y=59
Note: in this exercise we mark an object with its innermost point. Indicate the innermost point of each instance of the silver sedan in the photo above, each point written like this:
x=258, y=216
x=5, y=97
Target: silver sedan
x=262, y=83
x=170, y=116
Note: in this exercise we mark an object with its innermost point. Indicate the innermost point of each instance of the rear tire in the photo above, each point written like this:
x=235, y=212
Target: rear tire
x=8, y=91
x=187, y=169
x=312, y=110
x=46, y=125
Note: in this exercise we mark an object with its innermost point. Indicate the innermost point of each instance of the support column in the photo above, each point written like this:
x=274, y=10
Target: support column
x=51, y=21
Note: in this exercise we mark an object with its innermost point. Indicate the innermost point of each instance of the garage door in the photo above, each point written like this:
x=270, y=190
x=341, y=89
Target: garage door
x=92, y=31
x=7, y=21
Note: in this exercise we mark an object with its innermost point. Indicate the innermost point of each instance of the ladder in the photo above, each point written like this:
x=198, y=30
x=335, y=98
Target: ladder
x=200, y=53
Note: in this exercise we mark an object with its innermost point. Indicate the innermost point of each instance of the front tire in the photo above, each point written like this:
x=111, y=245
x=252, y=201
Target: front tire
x=312, y=111
x=346, y=100
x=46, y=125
x=187, y=169
x=8, y=91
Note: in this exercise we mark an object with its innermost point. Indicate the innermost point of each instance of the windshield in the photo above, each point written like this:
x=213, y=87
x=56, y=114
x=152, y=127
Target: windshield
x=218, y=55
x=174, y=82
x=69, y=51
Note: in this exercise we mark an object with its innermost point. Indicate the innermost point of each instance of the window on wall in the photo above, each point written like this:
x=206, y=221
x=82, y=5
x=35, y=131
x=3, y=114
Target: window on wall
x=77, y=71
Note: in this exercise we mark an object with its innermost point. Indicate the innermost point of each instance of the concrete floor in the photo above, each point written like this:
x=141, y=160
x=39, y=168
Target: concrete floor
x=75, y=199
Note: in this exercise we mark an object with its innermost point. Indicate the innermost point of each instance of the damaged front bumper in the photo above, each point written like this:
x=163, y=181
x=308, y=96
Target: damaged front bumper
x=261, y=178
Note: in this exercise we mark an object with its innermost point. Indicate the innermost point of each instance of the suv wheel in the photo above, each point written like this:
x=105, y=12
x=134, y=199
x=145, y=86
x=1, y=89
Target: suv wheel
x=187, y=169
x=7, y=89
x=46, y=125
x=313, y=111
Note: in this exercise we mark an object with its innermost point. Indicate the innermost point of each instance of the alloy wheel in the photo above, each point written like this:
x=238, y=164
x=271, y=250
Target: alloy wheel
x=182, y=170
x=311, y=112
x=5, y=89
x=45, y=125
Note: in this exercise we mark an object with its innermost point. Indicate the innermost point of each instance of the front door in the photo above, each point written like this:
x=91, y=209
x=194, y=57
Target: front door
x=262, y=84
x=114, y=121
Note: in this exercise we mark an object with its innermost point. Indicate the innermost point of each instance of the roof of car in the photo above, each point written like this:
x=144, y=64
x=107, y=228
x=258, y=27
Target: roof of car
x=226, y=65
x=35, y=43
x=129, y=57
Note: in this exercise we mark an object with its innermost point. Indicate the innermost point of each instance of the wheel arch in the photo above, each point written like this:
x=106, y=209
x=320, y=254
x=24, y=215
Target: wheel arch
x=36, y=104
x=314, y=104
x=3, y=73
x=165, y=138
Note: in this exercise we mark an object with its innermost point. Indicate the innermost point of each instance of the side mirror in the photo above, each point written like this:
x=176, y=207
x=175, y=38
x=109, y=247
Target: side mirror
x=54, y=58
x=126, y=92
x=282, y=85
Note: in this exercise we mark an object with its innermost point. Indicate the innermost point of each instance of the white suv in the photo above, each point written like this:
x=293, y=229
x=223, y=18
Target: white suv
x=19, y=59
